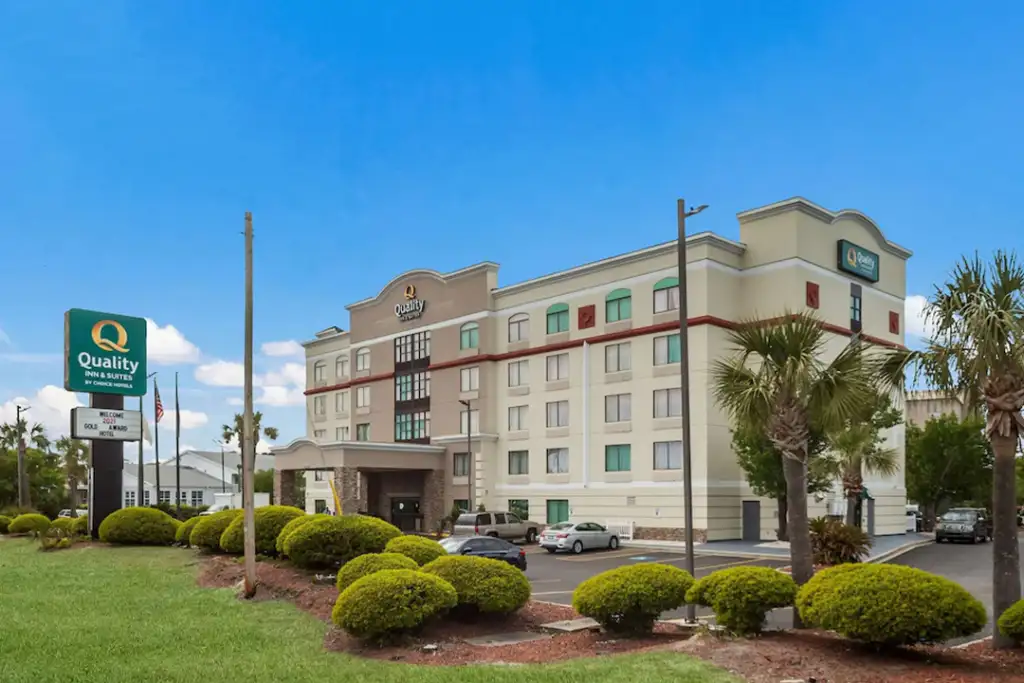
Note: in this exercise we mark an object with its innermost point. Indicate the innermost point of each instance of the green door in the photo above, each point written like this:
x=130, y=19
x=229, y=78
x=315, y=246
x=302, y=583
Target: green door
x=558, y=511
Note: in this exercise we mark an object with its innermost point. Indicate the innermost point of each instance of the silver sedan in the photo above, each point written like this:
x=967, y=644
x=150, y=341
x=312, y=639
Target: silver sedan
x=577, y=537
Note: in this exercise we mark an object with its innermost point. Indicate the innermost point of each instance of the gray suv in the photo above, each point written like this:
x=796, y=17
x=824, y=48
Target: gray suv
x=506, y=525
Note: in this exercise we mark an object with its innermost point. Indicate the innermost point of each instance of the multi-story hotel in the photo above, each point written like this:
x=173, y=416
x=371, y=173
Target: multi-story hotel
x=559, y=397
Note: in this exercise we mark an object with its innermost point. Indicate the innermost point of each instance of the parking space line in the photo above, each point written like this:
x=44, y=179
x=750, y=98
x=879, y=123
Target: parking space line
x=597, y=557
x=728, y=564
x=536, y=581
x=553, y=593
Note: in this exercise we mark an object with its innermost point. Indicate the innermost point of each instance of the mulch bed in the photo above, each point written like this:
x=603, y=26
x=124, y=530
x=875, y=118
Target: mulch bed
x=773, y=657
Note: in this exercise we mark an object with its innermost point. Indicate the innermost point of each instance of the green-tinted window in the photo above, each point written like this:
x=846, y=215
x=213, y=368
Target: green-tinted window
x=462, y=504
x=470, y=336
x=618, y=306
x=666, y=283
x=616, y=458
x=558, y=511
x=558, y=318
x=320, y=506
x=520, y=507
x=363, y=432
x=666, y=349
x=518, y=462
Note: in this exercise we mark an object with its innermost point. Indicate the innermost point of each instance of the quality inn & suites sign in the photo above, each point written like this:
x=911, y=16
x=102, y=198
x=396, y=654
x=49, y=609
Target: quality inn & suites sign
x=104, y=353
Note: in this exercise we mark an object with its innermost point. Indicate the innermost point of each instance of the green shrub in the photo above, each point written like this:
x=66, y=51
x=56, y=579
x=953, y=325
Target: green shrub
x=270, y=520
x=364, y=565
x=29, y=523
x=65, y=524
x=208, y=530
x=5, y=522
x=889, y=605
x=483, y=585
x=392, y=602
x=82, y=525
x=292, y=526
x=421, y=550
x=138, y=526
x=742, y=596
x=184, y=534
x=834, y=543
x=628, y=600
x=329, y=542
x=1011, y=623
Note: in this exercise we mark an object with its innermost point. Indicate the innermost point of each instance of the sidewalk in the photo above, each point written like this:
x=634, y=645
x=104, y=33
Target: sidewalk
x=882, y=547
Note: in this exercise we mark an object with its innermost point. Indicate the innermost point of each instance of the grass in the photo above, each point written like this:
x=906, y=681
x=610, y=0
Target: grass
x=112, y=615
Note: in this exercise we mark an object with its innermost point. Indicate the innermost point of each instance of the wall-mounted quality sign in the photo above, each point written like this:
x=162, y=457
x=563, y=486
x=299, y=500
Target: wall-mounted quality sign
x=106, y=425
x=104, y=353
x=412, y=308
x=857, y=261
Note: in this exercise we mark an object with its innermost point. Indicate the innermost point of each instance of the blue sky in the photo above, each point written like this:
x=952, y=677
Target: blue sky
x=373, y=137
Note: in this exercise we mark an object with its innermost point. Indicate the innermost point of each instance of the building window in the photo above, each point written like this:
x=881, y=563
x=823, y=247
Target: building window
x=666, y=349
x=363, y=432
x=362, y=397
x=473, y=419
x=668, y=402
x=412, y=426
x=319, y=434
x=412, y=386
x=320, y=405
x=182, y=497
x=618, y=306
x=668, y=455
x=558, y=318
x=318, y=475
x=519, y=327
x=558, y=414
x=412, y=347
x=518, y=462
x=617, y=357
x=341, y=434
x=616, y=458
x=558, y=367
x=341, y=402
x=519, y=373
x=320, y=371
x=558, y=460
x=469, y=336
x=197, y=498
x=617, y=408
x=362, y=359
x=469, y=379
x=320, y=506
x=460, y=465
x=129, y=499
x=519, y=508
x=461, y=504
x=558, y=511
x=341, y=367
x=856, y=307
x=517, y=418
x=666, y=295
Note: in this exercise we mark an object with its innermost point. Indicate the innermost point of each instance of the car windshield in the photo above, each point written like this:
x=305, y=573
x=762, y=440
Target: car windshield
x=560, y=526
x=958, y=516
x=466, y=519
x=451, y=544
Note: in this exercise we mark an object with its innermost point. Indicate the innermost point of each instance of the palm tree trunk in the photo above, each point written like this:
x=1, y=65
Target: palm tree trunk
x=1005, y=549
x=801, y=559
x=851, y=509
x=73, y=496
x=783, y=532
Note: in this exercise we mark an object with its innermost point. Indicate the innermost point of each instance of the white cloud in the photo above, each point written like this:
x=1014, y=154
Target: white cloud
x=190, y=419
x=281, y=396
x=50, y=407
x=915, y=308
x=32, y=358
x=235, y=401
x=221, y=373
x=282, y=348
x=262, y=447
x=167, y=346
x=281, y=387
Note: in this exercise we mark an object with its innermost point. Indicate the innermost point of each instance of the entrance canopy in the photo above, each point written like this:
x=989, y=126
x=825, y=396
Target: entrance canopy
x=303, y=454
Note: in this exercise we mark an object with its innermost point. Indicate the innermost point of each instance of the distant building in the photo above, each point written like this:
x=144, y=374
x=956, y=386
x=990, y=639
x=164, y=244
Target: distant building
x=210, y=463
x=927, y=404
x=197, y=488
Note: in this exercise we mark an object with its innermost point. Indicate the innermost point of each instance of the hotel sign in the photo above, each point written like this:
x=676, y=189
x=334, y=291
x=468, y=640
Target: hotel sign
x=104, y=353
x=412, y=307
x=857, y=261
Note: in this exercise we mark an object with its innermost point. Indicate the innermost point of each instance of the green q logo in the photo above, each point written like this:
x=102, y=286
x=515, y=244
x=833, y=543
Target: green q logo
x=851, y=257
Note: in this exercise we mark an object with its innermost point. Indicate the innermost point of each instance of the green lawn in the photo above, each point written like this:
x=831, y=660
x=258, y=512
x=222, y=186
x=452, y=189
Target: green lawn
x=108, y=615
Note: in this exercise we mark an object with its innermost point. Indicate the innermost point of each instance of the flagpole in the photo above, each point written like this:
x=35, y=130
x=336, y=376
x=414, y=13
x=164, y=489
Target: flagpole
x=156, y=438
x=177, y=445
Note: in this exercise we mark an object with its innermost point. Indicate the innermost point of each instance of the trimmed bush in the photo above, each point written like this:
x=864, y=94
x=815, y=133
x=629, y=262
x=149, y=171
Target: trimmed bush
x=628, y=600
x=889, y=605
x=184, y=534
x=208, y=530
x=81, y=525
x=65, y=524
x=270, y=520
x=365, y=565
x=742, y=596
x=483, y=585
x=392, y=602
x=138, y=526
x=292, y=526
x=5, y=522
x=834, y=543
x=28, y=523
x=419, y=549
x=1011, y=623
x=329, y=542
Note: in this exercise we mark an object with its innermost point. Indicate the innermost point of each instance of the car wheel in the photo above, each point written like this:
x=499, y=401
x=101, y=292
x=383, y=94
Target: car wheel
x=531, y=535
x=613, y=543
x=551, y=551
x=577, y=547
x=974, y=539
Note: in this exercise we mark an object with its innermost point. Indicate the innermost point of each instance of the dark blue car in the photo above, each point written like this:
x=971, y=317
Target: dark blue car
x=486, y=546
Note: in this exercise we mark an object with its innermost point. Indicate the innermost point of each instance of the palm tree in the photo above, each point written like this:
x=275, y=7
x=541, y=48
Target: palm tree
x=75, y=454
x=977, y=351
x=34, y=437
x=854, y=452
x=235, y=430
x=778, y=382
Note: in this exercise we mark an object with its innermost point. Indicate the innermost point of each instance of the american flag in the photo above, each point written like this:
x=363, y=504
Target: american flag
x=159, y=404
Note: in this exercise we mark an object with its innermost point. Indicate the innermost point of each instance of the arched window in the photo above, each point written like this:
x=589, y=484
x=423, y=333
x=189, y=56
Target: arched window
x=618, y=306
x=519, y=327
x=363, y=359
x=341, y=367
x=320, y=371
x=558, y=318
x=469, y=336
x=666, y=295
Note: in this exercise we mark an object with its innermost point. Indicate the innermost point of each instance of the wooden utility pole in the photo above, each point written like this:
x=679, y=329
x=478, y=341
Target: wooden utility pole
x=24, y=498
x=248, y=444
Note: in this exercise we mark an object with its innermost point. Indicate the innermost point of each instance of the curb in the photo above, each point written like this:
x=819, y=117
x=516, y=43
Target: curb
x=963, y=646
x=697, y=552
x=902, y=550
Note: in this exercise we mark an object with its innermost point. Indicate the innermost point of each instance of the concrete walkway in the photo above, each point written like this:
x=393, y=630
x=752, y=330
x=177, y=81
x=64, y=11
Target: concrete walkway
x=882, y=547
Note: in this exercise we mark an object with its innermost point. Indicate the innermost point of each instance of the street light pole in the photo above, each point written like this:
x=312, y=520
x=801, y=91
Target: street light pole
x=684, y=376
x=223, y=473
x=469, y=454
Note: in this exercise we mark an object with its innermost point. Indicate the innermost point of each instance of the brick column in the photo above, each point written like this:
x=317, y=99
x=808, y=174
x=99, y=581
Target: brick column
x=432, y=505
x=284, y=489
x=345, y=481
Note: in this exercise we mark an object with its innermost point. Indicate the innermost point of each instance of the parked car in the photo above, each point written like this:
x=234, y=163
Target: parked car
x=486, y=546
x=577, y=537
x=506, y=525
x=80, y=512
x=964, y=524
x=219, y=507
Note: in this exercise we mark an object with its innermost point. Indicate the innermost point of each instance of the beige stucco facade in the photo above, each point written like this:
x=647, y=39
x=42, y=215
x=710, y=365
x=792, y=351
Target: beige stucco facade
x=574, y=378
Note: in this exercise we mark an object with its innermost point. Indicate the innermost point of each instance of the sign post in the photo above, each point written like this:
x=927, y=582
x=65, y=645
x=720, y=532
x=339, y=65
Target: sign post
x=105, y=356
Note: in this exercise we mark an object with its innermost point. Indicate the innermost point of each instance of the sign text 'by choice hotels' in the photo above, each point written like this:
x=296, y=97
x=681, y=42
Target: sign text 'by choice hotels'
x=858, y=261
x=104, y=353
x=411, y=307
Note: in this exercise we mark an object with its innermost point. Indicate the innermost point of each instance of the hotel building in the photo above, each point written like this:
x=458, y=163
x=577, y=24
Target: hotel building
x=559, y=397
